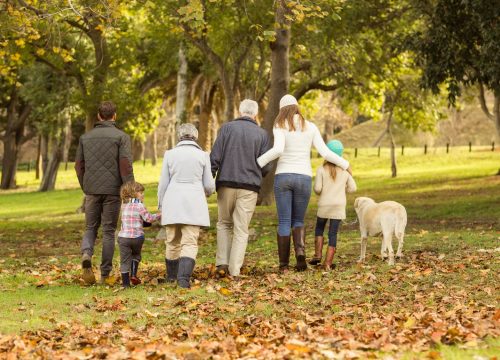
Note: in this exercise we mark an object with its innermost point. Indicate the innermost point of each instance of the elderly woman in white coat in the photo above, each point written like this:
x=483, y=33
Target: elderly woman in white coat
x=186, y=180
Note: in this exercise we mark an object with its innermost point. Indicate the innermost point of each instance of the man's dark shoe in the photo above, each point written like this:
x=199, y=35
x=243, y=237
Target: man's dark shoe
x=87, y=273
x=222, y=271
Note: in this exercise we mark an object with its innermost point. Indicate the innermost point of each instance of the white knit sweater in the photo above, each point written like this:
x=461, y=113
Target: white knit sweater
x=294, y=150
x=332, y=193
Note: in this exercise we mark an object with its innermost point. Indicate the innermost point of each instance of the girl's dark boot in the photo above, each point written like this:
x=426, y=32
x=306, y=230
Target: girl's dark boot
x=133, y=273
x=126, y=280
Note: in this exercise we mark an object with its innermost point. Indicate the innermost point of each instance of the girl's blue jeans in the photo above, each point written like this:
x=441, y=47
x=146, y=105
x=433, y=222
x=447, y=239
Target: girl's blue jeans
x=292, y=193
x=332, y=231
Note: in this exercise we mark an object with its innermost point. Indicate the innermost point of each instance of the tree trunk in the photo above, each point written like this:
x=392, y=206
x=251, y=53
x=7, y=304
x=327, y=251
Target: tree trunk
x=214, y=127
x=67, y=138
x=38, y=165
x=206, y=104
x=329, y=126
x=495, y=116
x=394, y=169
x=154, y=147
x=496, y=113
x=44, y=152
x=17, y=115
x=137, y=150
x=182, y=88
x=280, y=81
x=9, y=163
x=56, y=155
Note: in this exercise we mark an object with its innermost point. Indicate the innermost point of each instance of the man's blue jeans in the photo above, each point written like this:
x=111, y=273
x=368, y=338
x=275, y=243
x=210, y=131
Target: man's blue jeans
x=292, y=193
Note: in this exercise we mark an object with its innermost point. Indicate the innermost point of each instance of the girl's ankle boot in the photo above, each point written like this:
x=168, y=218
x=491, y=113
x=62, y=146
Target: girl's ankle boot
x=329, y=258
x=133, y=273
x=318, y=250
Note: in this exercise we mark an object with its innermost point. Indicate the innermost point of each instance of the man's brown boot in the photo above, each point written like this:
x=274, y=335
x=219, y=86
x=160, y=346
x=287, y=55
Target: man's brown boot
x=87, y=273
x=329, y=258
x=284, y=251
x=299, y=243
x=318, y=250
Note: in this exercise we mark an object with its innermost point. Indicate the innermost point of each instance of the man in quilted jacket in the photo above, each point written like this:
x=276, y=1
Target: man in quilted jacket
x=103, y=163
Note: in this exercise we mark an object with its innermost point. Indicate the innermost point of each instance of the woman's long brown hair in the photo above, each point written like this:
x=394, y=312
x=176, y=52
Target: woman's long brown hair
x=331, y=168
x=285, y=117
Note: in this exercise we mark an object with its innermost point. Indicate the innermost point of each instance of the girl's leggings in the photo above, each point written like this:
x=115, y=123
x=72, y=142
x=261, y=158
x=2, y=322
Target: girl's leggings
x=332, y=232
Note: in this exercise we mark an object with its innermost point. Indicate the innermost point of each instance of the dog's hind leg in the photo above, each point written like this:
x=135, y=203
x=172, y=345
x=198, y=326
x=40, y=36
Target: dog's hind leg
x=364, y=240
x=383, y=249
x=400, y=237
x=388, y=243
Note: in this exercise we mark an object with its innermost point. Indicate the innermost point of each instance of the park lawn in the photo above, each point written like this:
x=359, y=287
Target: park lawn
x=440, y=301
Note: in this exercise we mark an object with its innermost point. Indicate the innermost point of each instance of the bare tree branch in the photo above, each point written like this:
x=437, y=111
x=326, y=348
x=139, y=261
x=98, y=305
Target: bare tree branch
x=482, y=101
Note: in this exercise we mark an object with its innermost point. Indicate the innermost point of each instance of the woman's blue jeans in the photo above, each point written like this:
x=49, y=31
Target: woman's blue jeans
x=292, y=193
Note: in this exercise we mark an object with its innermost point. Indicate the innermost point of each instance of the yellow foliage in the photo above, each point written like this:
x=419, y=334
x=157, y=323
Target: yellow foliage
x=40, y=52
x=20, y=42
x=15, y=57
x=34, y=36
x=100, y=27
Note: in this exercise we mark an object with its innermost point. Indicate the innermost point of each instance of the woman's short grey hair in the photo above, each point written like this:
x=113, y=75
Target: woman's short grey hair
x=249, y=107
x=187, y=132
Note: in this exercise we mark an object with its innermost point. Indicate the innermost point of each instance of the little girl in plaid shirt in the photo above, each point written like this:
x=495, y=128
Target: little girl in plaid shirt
x=131, y=236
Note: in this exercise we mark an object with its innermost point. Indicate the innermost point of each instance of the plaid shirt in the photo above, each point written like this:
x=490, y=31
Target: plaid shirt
x=133, y=214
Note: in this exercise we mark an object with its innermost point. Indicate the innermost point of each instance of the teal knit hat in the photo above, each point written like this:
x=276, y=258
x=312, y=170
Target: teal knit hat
x=336, y=146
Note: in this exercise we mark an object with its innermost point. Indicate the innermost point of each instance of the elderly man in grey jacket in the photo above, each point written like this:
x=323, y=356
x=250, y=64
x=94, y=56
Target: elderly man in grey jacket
x=186, y=180
x=234, y=161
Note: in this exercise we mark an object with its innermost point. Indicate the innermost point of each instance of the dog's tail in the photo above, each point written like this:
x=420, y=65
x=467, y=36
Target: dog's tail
x=401, y=219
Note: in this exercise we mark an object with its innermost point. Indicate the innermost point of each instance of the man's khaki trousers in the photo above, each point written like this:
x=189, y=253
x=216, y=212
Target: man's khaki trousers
x=235, y=207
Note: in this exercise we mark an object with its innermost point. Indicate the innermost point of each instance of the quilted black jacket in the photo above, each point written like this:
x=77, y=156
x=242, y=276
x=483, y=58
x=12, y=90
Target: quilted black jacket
x=104, y=160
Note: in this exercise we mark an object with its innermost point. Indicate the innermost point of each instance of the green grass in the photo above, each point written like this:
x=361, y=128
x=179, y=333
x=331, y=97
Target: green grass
x=450, y=263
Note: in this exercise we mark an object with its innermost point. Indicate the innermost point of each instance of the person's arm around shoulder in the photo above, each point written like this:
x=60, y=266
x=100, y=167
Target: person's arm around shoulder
x=318, y=181
x=80, y=163
x=125, y=159
x=217, y=151
x=164, y=180
x=351, y=184
x=277, y=149
x=323, y=150
x=208, y=179
x=265, y=146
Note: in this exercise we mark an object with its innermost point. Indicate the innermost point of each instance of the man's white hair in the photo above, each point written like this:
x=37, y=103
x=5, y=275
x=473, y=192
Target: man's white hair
x=249, y=107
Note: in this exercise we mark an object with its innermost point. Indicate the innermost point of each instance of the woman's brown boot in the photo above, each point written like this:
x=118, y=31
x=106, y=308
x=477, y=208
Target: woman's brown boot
x=299, y=242
x=284, y=251
x=329, y=258
x=318, y=250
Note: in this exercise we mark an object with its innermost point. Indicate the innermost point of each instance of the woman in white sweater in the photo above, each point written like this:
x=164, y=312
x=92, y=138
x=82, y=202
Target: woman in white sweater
x=331, y=184
x=293, y=138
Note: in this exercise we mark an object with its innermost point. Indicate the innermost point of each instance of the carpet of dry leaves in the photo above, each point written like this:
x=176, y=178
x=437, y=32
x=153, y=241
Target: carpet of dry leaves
x=357, y=311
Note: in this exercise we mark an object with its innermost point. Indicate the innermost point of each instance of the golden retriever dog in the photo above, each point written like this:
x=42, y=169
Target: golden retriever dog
x=387, y=217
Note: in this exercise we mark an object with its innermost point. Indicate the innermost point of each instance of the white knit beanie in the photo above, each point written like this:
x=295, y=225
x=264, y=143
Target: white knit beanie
x=288, y=100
